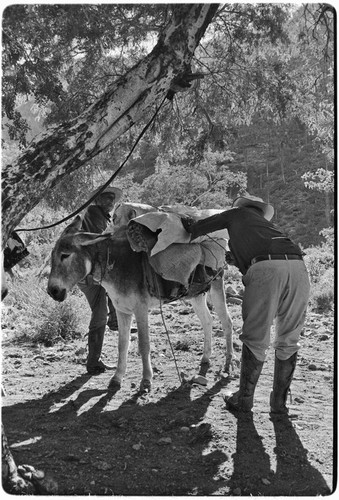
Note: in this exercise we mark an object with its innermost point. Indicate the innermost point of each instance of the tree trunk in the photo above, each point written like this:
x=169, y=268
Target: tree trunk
x=65, y=148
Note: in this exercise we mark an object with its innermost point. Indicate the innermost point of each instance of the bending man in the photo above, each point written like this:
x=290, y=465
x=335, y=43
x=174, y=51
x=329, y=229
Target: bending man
x=276, y=287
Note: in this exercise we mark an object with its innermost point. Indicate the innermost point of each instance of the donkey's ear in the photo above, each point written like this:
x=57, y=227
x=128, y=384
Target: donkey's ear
x=84, y=239
x=74, y=226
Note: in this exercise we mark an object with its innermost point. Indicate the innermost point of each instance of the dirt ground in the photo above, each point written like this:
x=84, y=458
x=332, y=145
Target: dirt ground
x=178, y=439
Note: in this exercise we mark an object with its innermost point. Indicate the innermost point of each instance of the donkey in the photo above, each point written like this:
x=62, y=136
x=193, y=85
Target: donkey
x=125, y=275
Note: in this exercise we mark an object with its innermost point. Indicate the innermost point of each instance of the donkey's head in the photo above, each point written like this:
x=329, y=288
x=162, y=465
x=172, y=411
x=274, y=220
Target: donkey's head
x=71, y=259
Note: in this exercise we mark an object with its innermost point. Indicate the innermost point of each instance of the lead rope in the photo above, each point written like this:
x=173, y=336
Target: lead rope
x=167, y=334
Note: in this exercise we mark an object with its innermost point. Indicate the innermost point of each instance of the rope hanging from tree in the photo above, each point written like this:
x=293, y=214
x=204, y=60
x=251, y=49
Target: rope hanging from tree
x=107, y=183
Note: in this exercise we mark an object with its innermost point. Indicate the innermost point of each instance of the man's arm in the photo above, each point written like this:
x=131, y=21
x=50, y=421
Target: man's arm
x=208, y=225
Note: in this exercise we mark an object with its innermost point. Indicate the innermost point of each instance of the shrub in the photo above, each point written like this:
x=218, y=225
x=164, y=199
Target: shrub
x=322, y=293
x=320, y=264
x=318, y=260
x=36, y=317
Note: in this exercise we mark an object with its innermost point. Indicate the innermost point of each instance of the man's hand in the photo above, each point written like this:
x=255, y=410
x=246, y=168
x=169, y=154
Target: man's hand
x=230, y=260
x=187, y=222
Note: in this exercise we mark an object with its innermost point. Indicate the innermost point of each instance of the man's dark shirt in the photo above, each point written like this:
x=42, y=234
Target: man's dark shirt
x=250, y=235
x=95, y=220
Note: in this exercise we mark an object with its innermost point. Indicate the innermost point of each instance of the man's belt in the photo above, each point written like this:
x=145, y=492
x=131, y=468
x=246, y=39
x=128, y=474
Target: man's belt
x=284, y=256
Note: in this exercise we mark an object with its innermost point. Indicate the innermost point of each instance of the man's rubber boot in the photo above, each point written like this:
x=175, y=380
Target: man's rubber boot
x=283, y=375
x=251, y=367
x=95, y=340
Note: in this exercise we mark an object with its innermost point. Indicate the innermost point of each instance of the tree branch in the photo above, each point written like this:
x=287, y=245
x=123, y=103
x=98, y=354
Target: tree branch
x=65, y=148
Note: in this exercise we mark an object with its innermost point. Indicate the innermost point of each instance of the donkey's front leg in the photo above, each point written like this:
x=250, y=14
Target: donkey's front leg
x=124, y=324
x=141, y=317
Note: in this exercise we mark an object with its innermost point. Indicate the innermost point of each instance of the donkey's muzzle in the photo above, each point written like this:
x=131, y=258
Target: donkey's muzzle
x=57, y=293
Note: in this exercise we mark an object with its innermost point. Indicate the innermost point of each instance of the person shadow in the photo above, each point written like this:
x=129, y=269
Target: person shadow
x=295, y=475
x=253, y=473
x=251, y=463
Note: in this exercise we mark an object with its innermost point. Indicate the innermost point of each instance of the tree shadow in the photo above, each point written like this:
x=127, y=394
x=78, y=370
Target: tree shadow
x=154, y=446
x=65, y=436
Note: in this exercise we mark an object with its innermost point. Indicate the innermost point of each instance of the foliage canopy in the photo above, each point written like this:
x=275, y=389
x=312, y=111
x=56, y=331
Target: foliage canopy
x=261, y=63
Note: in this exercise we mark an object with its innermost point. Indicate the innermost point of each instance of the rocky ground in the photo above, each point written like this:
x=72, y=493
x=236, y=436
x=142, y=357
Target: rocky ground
x=179, y=439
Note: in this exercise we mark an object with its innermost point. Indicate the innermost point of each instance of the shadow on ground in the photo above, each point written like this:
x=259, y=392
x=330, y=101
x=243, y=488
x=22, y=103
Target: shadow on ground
x=97, y=441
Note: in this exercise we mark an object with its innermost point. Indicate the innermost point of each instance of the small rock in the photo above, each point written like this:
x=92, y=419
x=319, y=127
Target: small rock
x=71, y=458
x=237, y=492
x=323, y=337
x=299, y=400
x=165, y=440
x=312, y=367
x=137, y=446
x=184, y=429
x=14, y=355
x=183, y=312
x=265, y=481
x=53, y=357
x=79, y=352
x=102, y=465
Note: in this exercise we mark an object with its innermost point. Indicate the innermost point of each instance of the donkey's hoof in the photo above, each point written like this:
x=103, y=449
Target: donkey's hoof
x=232, y=365
x=199, y=379
x=114, y=383
x=145, y=386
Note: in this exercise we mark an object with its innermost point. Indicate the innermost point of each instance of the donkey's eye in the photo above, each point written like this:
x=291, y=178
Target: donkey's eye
x=64, y=256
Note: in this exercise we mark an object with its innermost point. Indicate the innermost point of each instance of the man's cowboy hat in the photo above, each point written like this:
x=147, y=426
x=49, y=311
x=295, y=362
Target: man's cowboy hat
x=110, y=190
x=253, y=201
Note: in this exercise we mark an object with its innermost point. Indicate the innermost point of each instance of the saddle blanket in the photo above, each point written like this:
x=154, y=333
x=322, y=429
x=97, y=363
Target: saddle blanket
x=173, y=256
